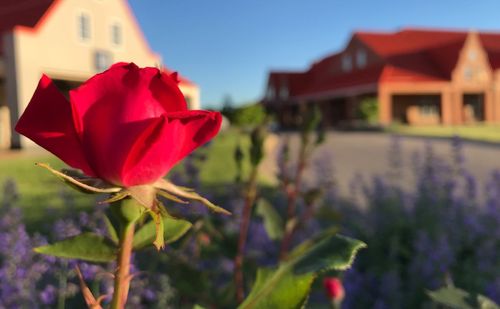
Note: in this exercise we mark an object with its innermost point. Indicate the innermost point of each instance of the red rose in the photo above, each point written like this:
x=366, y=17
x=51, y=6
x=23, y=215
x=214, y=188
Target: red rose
x=127, y=125
x=334, y=288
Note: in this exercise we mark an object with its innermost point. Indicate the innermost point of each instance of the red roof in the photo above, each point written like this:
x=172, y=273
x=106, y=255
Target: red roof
x=414, y=55
x=22, y=13
x=30, y=13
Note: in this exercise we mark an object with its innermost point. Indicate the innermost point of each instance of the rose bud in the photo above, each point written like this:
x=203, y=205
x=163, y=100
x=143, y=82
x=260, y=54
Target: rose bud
x=128, y=125
x=334, y=289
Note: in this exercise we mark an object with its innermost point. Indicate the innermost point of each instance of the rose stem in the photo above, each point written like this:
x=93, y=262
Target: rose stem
x=292, y=192
x=250, y=196
x=122, y=275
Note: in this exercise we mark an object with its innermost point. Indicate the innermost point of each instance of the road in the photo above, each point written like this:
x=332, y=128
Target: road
x=368, y=154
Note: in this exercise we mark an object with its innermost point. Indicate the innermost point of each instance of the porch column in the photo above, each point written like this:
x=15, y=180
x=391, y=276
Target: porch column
x=4, y=127
x=457, y=106
x=496, y=103
x=384, y=106
x=447, y=116
x=488, y=106
x=11, y=87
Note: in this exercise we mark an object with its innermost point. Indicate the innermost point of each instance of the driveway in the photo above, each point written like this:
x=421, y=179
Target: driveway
x=368, y=154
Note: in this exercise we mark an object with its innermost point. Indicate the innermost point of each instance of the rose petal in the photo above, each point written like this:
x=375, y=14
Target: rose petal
x=159, y=149
x=126, y=94
x=48, y=122
x=107, y=149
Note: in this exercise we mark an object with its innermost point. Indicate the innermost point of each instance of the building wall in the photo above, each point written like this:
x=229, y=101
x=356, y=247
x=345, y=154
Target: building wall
x=57, y=50
x=192, y=95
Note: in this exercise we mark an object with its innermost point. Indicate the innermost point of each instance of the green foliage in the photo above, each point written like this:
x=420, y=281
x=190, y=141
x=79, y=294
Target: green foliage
x=459, y=299
x=273, y=223
x=86, y=246
x=311, y=121
x=111, y=230
x=173, y=229
x=279, y=288
x=368, y=110
x=248, y=115
x=288, y=285
x=257, y=138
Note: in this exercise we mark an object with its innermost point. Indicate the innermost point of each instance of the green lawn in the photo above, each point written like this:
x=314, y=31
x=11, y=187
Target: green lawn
x=480, y=132
x=40, y=191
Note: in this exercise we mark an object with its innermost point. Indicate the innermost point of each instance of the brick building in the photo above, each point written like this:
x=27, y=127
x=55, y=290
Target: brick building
x=418, y=76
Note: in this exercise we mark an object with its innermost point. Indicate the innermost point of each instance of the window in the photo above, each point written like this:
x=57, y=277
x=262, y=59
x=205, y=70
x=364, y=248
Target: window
x=270, y=92
x=472, y=55
x=468, y=73
x=102, y=60
x=346, y=63
x=84, y=31
x=116, y=34
x=284, y=91
x=361, y=58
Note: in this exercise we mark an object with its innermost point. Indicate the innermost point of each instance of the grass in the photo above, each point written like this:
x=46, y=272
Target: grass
x=40, y=191
x=479, y=132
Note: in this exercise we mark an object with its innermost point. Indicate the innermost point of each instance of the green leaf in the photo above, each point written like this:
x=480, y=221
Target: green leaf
x=86, y=246
x=279, y=289
x=111, y=230
x=288, y=286
x=272, y=220
x=459, y=299
x=173, y=229
x=337, y=252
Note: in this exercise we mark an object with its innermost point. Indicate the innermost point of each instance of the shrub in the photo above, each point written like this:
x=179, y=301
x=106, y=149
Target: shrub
x=368, y=110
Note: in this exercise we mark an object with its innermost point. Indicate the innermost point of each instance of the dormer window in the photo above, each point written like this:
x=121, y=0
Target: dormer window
x=361, y=58
x=472, y=55
x=346, y=63
x=270, y=92
x=284, y=92
x=116, y=34
x=84, y=30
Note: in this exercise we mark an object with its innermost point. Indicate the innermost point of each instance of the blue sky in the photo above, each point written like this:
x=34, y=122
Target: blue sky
x=228, y=46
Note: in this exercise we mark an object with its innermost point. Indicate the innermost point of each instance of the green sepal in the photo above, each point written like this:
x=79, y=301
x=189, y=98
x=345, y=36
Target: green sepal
x=181, y=192
x=127, y=210
x=144, y=195
x=273, y=223
x=173, y=229
x=289, y=284
x=81, y=182
x=86, y=246
x=171, y=197
x=159, y=240
x=116, y=197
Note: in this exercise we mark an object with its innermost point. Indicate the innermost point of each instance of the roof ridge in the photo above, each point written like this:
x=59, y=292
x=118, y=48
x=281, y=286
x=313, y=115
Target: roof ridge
x=17, y=7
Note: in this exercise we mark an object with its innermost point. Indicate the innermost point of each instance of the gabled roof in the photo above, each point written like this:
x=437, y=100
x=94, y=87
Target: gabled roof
x=30, y=14
x=295, y=81
x=22, y=13
x=409, y=55
x=27, y=13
